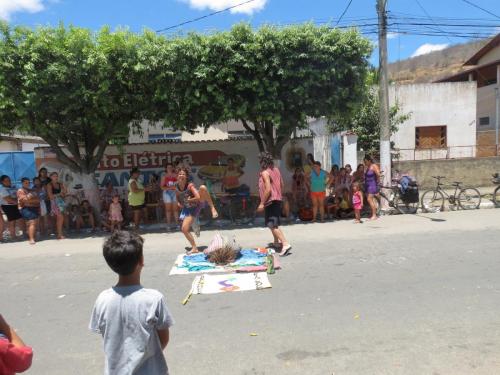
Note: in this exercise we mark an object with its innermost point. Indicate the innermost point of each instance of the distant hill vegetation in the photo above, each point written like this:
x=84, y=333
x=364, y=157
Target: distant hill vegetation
x=434, y=65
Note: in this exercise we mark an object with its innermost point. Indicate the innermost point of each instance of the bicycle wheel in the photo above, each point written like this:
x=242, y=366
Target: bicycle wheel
x=432, y=201
x=243, y=210
x=469, y=199
x=403, y=207
x=496, y=197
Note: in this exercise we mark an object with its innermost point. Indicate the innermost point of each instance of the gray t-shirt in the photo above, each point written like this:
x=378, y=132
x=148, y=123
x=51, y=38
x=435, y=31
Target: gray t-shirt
x=127, y=318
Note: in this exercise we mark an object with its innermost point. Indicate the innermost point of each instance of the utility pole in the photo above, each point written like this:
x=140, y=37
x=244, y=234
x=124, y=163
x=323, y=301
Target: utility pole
x=383, y=92
x=497, y=109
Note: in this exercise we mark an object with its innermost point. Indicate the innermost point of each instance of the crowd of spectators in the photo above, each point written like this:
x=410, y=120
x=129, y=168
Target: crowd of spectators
x=40, y=207
x=314, y=192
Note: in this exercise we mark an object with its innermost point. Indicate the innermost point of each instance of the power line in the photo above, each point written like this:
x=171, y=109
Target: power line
x=478, y=7
x=203, y=17
x=344, y=12
x=429, y=16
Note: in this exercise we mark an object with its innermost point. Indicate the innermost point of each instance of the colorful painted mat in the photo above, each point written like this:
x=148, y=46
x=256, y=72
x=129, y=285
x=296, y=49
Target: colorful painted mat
x=251, y=260
x=236, y=282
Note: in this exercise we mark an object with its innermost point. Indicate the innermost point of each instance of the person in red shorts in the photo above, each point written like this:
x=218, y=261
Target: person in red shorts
x=15, y=356
x=318, y=181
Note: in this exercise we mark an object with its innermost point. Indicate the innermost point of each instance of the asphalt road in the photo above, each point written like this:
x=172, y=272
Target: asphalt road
x=401, y=295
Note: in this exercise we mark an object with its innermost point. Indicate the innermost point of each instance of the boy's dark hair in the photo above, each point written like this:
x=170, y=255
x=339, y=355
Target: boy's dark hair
x=317, y=163
x=3, y=177
x=123, y=251
x=25, y=179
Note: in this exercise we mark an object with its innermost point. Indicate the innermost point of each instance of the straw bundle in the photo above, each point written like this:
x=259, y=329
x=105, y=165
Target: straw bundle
x=224, y=255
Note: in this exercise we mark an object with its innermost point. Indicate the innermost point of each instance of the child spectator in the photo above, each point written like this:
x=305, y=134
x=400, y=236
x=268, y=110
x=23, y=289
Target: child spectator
x=344, y=204
x=74, y=218
x=357, y=202
x=87, y=213
x=133, y=321
x=115, y=213
x=105, y=223
x=15, y=356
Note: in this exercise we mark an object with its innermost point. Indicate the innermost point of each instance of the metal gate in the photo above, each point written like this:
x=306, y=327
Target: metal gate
x=17, y=165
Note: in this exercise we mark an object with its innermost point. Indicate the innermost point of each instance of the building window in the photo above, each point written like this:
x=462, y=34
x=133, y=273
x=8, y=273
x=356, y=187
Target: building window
x=158, y=138
x=430, y=137
x=484, y=121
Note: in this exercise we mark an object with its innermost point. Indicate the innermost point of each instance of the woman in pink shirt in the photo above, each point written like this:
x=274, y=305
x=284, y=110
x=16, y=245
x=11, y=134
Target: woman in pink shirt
x=270, y=187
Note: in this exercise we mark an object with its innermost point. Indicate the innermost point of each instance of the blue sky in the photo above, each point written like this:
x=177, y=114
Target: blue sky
x=158, y=14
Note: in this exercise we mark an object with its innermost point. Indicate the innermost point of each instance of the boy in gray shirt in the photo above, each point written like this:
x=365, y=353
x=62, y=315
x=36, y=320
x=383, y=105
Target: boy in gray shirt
x=132, y=320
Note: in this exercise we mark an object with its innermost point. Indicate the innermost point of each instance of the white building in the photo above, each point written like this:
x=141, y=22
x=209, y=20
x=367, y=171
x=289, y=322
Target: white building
x=156, y=133
x=484, y=69
x=442, y=124
x=16, y=142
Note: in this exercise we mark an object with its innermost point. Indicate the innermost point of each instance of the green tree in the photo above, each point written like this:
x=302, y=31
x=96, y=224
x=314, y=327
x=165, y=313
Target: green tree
x=76, y=89
x=185, y=88
x=364, y=122
x=271, y=79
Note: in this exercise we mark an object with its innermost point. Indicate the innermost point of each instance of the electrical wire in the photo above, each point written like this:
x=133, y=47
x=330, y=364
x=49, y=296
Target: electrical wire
x=478, y=7
x=344, y=12
x=429, y=16
x=203, y=17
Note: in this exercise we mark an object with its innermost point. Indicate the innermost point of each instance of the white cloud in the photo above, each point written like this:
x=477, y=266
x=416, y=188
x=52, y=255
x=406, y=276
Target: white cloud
x=216, y=5
x=391, y=35
x=9, y=7
x=427, y=48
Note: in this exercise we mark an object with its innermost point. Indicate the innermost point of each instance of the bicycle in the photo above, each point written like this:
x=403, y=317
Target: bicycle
x=406, y=203
x=467, y=198
x=496, y=192
x=403, y=203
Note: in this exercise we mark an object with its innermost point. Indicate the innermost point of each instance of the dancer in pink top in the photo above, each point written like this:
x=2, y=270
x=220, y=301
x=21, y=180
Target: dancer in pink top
x=270, y=187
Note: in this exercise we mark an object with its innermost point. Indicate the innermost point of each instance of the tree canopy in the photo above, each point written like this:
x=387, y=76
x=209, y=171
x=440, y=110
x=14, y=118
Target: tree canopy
x=73, y=88
x=78, y=90
x=271, y=79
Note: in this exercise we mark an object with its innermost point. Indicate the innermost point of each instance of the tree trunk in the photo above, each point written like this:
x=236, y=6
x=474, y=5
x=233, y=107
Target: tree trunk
x=91, y=191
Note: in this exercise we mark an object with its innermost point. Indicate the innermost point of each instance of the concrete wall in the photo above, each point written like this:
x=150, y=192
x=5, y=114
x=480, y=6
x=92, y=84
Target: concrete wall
x=6, y=146
x=452, y=104
x=472, y=172
x=491, y=56
x=19, y=145
x=214, y=133
x=486, y=103
x=322, y=143
x=350, y=150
